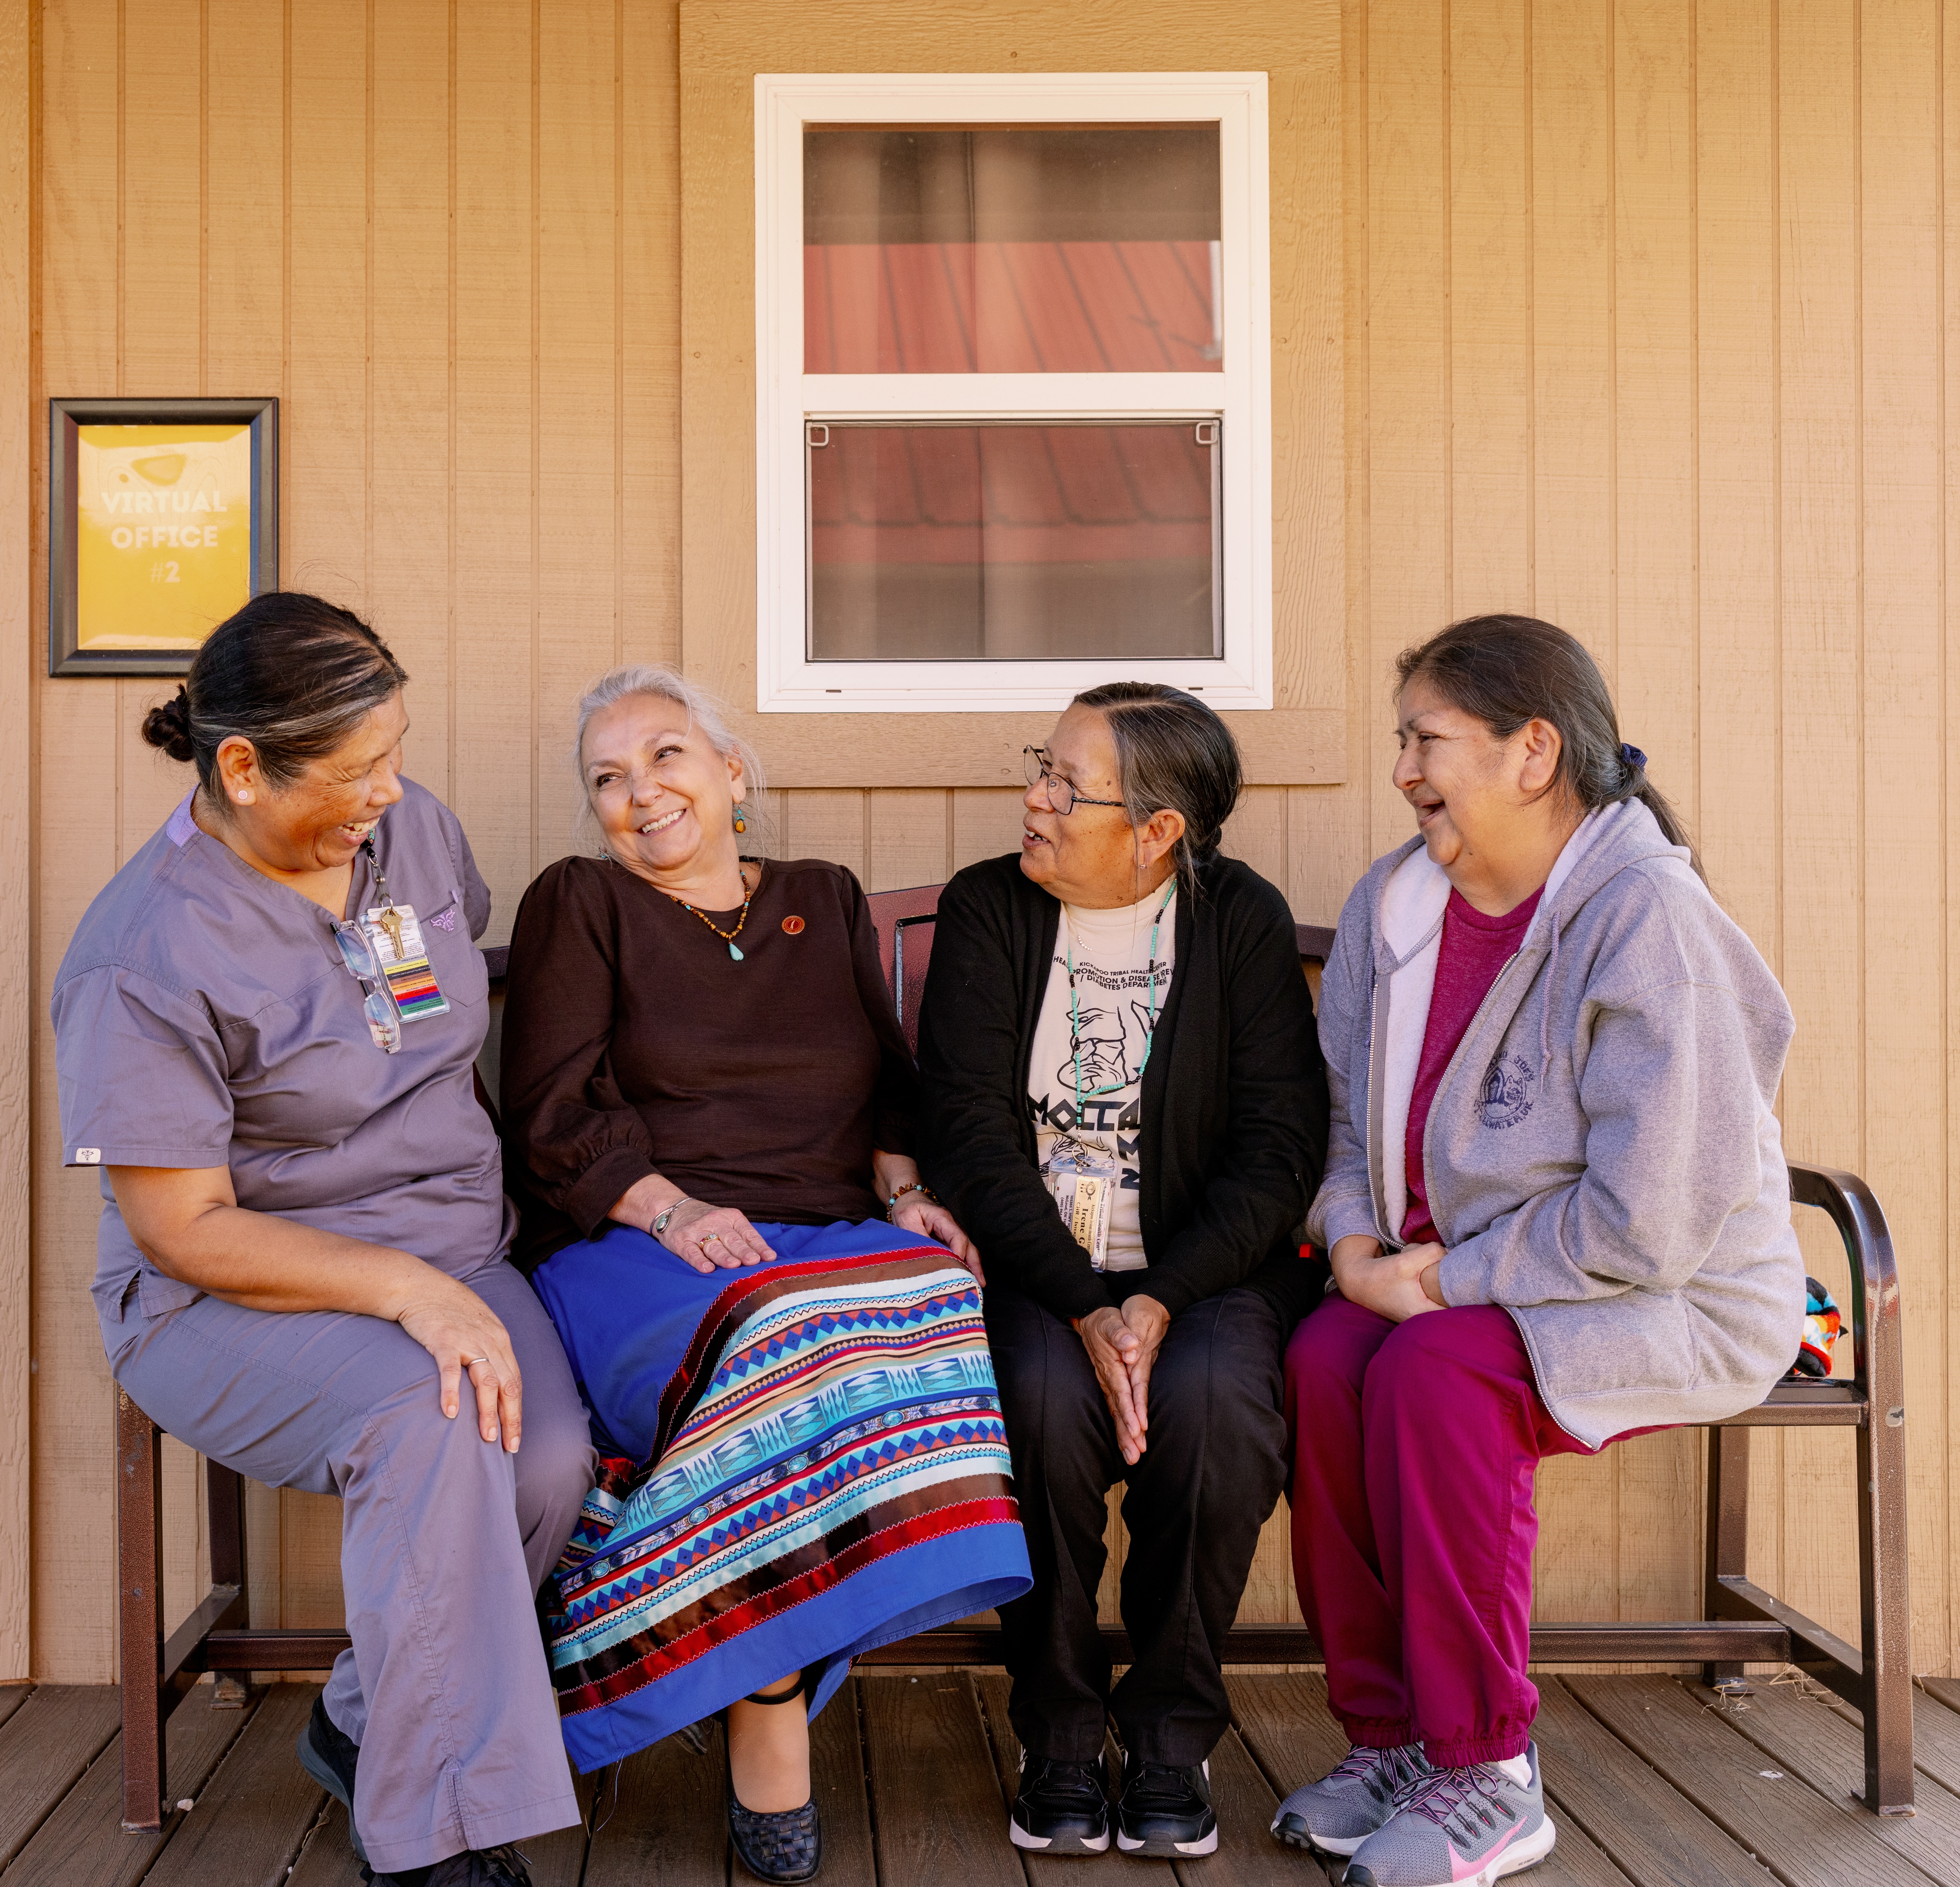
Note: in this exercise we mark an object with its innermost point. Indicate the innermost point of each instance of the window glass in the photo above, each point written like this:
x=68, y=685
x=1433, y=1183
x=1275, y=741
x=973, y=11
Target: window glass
x=934, y=542
x=1011, y=249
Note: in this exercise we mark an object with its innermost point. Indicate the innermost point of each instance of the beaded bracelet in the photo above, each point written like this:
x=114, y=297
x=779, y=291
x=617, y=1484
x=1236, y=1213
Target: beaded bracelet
x=910, y=1186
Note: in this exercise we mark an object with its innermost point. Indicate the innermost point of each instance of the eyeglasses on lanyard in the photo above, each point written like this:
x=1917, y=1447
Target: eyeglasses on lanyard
x=384, y=1018
x=357, y=952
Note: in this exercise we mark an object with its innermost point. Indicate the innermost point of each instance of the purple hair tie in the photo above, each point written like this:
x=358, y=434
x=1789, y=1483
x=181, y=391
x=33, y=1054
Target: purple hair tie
x=1633, y=757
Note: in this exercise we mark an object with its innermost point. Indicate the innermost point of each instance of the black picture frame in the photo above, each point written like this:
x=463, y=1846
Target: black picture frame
x=66, y=656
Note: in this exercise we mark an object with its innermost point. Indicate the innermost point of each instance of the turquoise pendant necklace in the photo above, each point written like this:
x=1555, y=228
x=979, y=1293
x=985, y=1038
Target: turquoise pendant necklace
x=727, y=936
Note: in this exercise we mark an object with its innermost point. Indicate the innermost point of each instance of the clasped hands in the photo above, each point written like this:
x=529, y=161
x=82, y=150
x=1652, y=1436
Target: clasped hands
x=1396, y=1285
x=1122, y=1346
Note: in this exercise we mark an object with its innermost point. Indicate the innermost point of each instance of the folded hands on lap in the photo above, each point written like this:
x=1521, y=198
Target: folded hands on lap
x=1396, y=1285
x=1122, y=1346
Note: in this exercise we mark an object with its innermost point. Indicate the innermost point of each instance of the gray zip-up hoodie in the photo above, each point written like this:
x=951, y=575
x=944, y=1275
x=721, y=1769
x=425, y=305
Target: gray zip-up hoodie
x=1601, y=1158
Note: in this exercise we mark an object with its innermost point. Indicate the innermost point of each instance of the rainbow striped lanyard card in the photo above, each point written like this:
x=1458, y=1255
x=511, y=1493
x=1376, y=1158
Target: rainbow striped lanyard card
x=396, y=936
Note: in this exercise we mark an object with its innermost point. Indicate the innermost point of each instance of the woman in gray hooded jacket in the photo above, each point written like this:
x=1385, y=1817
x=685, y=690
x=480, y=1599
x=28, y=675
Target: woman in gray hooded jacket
x=1558, y=1211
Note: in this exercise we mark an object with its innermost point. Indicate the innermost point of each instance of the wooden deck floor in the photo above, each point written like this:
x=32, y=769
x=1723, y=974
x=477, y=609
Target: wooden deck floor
x=1654, y=1780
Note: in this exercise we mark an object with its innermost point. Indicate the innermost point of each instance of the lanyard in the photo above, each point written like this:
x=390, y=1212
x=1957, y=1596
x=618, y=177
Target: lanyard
x=388, y=921
x=1075, y=1015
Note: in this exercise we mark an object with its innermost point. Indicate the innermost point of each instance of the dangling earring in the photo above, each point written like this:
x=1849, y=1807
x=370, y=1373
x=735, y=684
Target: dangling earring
x=741, y=824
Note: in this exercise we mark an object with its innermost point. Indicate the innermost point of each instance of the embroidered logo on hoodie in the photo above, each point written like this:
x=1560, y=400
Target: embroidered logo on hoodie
x=1507, y=1096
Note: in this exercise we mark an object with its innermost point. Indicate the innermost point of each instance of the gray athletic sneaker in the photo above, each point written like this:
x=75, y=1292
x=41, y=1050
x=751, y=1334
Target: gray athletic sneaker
x=1459, y=1828
x=1337, y=1813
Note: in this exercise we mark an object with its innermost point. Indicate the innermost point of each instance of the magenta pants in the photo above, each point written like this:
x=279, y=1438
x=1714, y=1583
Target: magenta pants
x=1414, y=1447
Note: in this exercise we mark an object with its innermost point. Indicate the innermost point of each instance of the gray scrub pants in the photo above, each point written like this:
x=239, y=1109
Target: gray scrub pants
x=445, y=1540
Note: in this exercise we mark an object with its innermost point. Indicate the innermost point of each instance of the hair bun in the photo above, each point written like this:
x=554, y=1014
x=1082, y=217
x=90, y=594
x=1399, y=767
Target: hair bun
x=168, y=726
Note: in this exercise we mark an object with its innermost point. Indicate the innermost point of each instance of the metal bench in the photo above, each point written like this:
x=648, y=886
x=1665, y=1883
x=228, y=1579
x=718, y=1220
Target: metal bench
x=1741, y=1623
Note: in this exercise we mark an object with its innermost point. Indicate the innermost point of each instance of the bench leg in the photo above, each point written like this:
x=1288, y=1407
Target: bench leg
x=140, y=1565
x=1885, y=1609
x=225, y=1500
x=1727, y=1547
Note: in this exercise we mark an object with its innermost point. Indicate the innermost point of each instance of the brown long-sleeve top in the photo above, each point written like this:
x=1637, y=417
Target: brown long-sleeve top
x=634, y=1043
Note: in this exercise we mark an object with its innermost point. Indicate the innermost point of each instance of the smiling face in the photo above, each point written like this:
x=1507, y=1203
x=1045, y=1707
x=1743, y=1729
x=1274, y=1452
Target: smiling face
x=316, y=823
x=1095, y=857
x=1486, y=808
x=664, y=799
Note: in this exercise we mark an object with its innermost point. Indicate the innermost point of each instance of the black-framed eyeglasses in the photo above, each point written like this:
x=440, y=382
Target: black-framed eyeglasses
x=1062, y=797
x=384, y=1016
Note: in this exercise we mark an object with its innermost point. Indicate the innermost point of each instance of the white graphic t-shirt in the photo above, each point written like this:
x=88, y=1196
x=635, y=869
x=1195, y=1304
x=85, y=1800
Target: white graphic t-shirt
x=1107, y=1035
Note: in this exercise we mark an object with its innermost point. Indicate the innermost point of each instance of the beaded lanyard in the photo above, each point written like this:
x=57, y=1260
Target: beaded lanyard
x=1075, y=1013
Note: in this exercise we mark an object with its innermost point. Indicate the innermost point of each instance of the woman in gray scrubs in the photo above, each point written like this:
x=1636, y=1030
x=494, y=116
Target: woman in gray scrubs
x=266, y=1027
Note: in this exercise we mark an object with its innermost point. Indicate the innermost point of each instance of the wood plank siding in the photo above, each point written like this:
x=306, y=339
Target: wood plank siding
x=1637, y=314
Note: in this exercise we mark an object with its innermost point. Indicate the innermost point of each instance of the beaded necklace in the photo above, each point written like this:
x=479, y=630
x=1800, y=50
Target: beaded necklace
x=727, y=936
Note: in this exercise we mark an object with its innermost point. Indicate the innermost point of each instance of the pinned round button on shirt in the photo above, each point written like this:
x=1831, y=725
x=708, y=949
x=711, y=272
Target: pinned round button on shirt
x=792, y=926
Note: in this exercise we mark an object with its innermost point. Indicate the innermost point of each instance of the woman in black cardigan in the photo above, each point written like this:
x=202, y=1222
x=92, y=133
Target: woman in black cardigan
x=1125, y=1106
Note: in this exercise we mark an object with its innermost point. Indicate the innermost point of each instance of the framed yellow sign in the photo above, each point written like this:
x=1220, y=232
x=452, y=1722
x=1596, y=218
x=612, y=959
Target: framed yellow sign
x=163, y=521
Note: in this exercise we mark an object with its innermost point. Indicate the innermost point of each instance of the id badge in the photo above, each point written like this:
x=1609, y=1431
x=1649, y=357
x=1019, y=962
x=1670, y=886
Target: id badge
x=1082, y=1178
x=397, y=938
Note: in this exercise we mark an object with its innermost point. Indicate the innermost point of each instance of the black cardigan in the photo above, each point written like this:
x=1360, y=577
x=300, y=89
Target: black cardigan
x=1234, y=1132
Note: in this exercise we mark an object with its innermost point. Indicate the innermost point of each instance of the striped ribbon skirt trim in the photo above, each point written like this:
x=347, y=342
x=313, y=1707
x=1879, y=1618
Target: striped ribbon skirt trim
x=828, y=1473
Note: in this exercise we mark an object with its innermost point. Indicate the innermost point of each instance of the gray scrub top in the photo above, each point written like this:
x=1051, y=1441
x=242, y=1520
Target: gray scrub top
x=203, y=1017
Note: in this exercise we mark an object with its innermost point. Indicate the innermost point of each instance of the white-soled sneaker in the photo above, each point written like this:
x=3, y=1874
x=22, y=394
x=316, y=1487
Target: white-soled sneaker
x=1166, y=1811
x=1337, y=1813
x=1460, y=1828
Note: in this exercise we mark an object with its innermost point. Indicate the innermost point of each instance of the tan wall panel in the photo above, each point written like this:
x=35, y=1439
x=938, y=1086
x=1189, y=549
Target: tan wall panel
x=1628, y=314
x=1823, y=956
x=1907, y=1118
x=1653, y=667
x=722, y=49
x=17, y=617
x=1949, y=257
x=409, y=349
x=75, y=838
x=1736, y=397
x=579, y=544
x=908, y=839
x=497, y=783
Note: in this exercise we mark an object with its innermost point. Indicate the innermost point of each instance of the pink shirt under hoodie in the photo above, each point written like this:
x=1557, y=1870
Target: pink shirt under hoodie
x=1475, y=949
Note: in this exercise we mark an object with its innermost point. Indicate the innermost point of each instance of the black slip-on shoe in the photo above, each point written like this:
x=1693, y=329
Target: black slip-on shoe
x=1061, y=1807
x=503, y=1866
x=328, y=1754
x=1166, y=1811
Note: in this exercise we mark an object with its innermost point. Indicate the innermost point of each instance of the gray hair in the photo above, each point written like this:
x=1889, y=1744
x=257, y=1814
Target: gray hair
x=705, y=710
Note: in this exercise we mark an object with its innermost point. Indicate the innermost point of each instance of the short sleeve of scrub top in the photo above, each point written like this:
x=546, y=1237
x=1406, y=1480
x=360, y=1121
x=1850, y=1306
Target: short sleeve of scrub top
x=142, y=1075
x=204, y=1017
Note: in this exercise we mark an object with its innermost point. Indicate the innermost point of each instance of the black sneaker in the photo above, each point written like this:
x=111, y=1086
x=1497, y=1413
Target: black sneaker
x=1061, y=1807
x=1166, y=1811
x=328, y=1755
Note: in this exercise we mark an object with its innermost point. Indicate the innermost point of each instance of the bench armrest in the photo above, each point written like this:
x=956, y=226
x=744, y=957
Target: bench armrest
x=1877, y=1350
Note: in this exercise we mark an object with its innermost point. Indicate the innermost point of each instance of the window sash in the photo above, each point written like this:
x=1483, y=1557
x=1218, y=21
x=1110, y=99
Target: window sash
x=787, y=398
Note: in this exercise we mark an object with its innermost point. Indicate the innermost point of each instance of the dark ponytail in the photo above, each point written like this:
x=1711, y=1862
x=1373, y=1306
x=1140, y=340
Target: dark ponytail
x=1508, y=670
x=1174, y=753
x=292, y=674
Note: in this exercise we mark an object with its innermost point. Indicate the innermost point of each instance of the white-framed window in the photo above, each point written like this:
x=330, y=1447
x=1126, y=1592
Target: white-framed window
x=1013, y=388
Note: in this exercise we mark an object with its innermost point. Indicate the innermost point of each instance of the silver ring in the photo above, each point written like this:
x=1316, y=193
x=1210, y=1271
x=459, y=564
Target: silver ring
x=474, y=1360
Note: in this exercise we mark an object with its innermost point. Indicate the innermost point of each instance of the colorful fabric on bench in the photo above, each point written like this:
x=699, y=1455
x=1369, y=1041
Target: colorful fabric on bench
x=823, y=1469
x=1822, y=1326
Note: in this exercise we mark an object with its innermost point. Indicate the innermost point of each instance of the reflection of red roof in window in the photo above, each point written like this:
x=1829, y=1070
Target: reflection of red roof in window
x=1036, y=307
x=1010, y=493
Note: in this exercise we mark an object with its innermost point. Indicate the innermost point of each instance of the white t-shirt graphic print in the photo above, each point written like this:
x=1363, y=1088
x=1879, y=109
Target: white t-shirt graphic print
x=1112, y=1007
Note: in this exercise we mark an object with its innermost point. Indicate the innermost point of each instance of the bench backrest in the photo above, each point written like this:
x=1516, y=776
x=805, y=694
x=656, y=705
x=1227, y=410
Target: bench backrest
x=906, y=920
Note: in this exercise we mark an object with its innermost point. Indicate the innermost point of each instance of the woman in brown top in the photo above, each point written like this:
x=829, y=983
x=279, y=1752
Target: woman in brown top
x=776, y=1327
